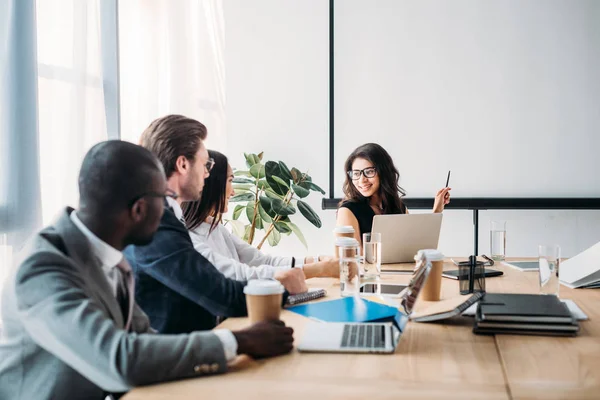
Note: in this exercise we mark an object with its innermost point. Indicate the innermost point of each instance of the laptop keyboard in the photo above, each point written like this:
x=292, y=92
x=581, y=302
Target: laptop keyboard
x=364, y=336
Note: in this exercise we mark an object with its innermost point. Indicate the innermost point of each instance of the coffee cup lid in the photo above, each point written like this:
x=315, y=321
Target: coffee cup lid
x=346, y=242
x=433, y=254
x=343, y=229
x=263, y=287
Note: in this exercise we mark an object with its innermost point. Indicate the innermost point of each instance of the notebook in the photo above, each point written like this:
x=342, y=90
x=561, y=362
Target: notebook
x=446, y=308
x=312, y=294
x=347, y=309
x=527, y=308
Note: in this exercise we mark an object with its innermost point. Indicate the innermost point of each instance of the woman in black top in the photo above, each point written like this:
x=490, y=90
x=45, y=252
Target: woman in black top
x=371, y=188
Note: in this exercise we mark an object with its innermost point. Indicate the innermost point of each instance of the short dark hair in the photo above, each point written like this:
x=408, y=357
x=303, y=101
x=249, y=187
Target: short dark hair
x=113, y=173
x=172, y=136
x=213, y=199
x=389, y=189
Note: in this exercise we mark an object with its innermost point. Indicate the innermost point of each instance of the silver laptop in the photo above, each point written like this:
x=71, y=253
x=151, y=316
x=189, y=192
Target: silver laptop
x=403, y=235
x=376, y=337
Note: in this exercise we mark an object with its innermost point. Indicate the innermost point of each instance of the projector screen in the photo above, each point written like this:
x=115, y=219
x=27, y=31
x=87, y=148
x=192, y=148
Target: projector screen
x=506, y=94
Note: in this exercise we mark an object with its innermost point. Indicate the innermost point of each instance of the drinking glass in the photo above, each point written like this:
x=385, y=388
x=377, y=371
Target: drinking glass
x=498, y=240
x=372, y=255
x=549, y=262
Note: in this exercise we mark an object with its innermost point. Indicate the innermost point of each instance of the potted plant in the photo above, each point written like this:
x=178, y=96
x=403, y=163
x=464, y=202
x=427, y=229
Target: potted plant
x=268, y=195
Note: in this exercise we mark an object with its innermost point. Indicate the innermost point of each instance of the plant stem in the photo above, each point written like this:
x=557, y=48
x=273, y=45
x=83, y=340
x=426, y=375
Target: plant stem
x=286, y=200
x=253, y=226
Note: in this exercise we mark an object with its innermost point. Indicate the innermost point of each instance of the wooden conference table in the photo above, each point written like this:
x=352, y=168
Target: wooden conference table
x=433, y=360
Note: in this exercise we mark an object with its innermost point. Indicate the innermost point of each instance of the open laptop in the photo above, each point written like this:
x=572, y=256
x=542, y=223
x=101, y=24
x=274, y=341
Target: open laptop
x=403, y=235
x=373, y=337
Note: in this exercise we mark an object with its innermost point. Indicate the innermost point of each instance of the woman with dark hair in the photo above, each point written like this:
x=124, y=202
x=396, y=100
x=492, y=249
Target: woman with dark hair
x=233, y=257
x=371, y=188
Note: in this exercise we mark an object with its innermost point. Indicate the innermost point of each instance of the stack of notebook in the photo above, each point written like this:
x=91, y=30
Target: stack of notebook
x=525, y=314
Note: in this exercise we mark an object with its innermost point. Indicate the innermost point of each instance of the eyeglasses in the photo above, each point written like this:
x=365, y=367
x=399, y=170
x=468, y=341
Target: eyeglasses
x=209, y=164
x=167, y=193
x=367, y=172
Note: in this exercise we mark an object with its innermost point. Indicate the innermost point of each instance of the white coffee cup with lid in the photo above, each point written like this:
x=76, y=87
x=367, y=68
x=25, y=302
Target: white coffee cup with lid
x=263, y=299
x=342, y=231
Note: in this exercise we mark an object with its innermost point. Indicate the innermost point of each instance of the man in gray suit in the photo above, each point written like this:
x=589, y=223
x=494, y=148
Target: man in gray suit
x=71, y=329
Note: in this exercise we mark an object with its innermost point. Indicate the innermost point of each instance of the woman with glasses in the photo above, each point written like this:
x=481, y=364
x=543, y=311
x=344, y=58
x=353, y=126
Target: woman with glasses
x=232, y=256
x=371, y=188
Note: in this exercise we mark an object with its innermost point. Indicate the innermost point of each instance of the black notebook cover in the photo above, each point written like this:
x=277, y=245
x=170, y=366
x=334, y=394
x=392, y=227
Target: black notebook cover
x=524, y=308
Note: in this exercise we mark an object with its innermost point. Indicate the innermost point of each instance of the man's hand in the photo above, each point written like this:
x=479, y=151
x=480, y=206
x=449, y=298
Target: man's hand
x=293, y=280
x=265, y=339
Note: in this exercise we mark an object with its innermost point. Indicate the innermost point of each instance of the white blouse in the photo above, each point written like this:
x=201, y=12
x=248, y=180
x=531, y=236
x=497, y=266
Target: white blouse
x=235, y=258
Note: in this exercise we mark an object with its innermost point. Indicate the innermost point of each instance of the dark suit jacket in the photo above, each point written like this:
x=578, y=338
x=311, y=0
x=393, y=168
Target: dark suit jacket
x=179, y=289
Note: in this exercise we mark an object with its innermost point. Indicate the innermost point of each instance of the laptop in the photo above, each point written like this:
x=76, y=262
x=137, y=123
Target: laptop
x=376, y=337
x=403, y=235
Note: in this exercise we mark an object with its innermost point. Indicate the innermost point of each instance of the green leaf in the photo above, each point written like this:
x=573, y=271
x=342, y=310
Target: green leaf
x=309, y=214
x=300, y=191
x=251, y=159
x=242, y=191
x=266, y=204
x=263, y=214
x=281, y=208
x=296, y=175
x=237, y=211
x=262, y=184
x=250, y=212
x=242, y=186
x=241, y=173
x=243, y=180
x=272, y=169
x=238, y=228
x=274, y=238
x=258, y=171
x=282, y=227
x=285, y=171
x=246, y=233
x=316, y=188
x=270, y=193
x=242, y=197
x=311, y=186
x=298, y=233
x=281, y=182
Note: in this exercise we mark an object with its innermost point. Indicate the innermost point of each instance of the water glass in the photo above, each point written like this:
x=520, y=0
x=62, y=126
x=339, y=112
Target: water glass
x=349, y=258
x=549, y=261
x=372, y=255
x=498, y=240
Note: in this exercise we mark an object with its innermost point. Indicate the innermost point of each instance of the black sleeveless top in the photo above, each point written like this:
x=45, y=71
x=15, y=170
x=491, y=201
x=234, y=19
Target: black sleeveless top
x=364, y=214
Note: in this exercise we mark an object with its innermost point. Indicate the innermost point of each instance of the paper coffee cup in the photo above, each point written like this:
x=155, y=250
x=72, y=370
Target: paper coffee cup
x=342, y=231
x=263, y=300
x=432, y=288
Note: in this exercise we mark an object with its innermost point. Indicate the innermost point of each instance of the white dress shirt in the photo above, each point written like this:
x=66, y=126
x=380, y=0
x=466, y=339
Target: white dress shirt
x=235, y=258
x=105, y=253
x=230, y=345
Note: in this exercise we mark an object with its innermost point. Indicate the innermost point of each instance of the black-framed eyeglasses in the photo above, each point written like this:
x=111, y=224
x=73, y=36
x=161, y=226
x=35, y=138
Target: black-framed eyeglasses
x=209, y=164
x=367, y=172
x=167, y=193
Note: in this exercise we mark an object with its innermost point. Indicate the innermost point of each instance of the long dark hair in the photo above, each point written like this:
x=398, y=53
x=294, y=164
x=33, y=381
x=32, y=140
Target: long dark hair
x=389, y=189
x=213, y=199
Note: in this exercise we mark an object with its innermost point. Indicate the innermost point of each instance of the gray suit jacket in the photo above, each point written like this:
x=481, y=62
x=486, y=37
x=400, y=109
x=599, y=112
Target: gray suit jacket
x=62, y=329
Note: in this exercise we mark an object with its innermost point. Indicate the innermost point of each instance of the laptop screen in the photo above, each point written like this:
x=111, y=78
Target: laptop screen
x=410, y=294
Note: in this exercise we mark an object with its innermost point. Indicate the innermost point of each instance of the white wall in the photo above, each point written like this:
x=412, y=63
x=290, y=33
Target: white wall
x=276, y=58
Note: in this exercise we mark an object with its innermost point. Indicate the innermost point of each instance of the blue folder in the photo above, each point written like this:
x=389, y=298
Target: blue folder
x=347, y=309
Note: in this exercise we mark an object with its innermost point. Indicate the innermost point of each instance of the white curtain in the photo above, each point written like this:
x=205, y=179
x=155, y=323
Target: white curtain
x=19, y=179
x=172, y=62
x=52, y=111
x=72, y=114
